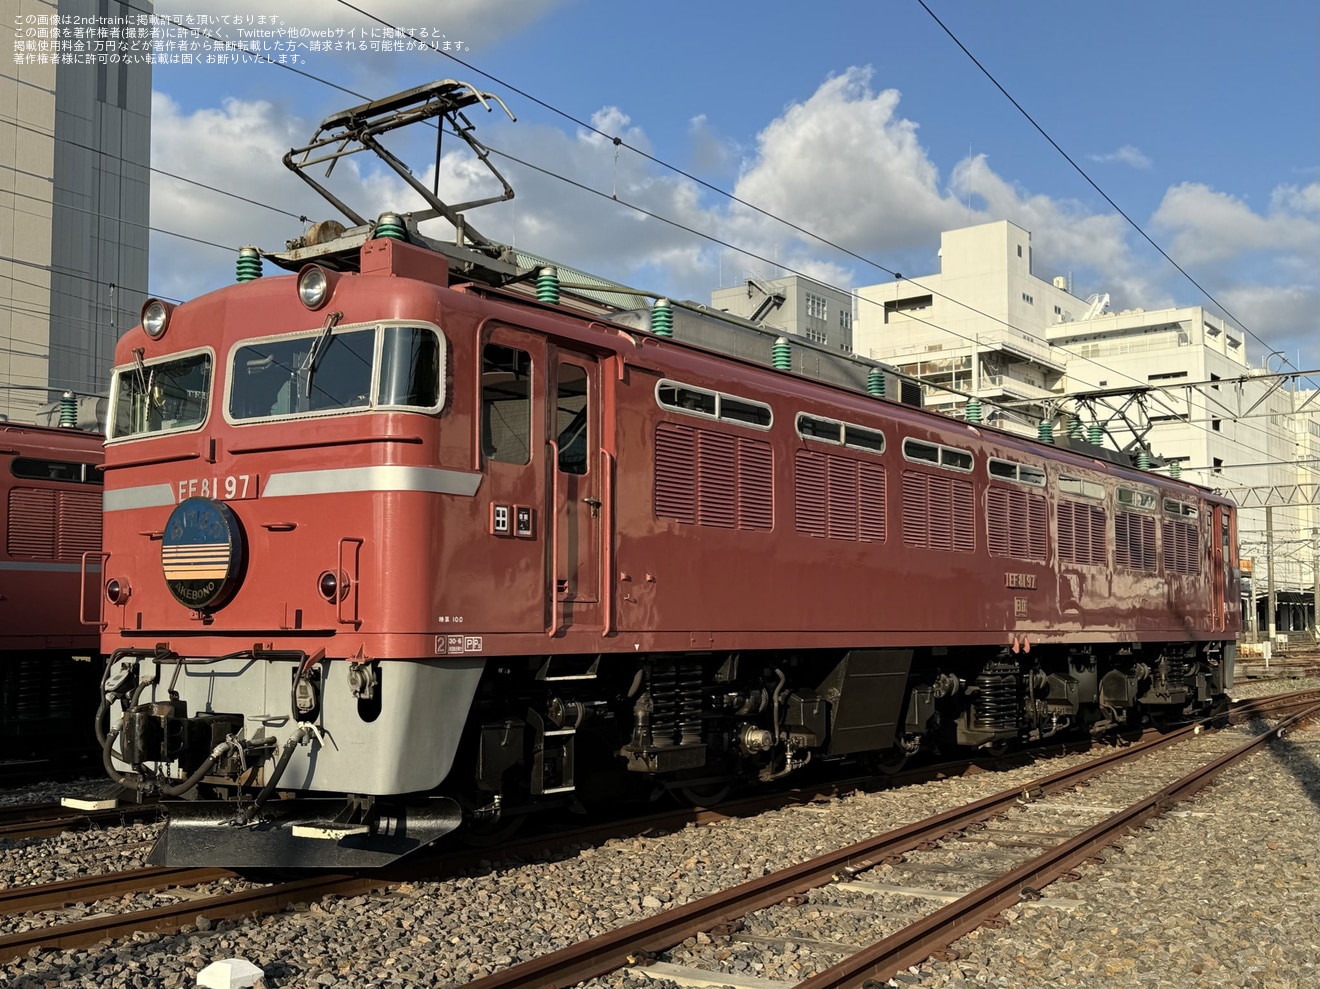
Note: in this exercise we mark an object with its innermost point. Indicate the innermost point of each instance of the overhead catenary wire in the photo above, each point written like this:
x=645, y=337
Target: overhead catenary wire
x=620, y=142
x=617, y=142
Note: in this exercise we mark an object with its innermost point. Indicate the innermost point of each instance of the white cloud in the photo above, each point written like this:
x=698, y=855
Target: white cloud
x=843, y=162
x=1126, y=155
x=1210, y=226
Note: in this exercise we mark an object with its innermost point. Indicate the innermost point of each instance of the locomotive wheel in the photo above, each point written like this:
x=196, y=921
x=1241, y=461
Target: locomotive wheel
x=891, y=762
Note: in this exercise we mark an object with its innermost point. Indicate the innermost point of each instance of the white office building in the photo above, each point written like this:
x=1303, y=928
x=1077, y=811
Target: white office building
x=1175, y=383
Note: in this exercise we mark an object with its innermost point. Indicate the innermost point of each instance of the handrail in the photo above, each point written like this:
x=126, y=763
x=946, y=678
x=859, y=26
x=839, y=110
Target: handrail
x=100, y=623
x=553, y=568
x=351, y=587
x=606, y=543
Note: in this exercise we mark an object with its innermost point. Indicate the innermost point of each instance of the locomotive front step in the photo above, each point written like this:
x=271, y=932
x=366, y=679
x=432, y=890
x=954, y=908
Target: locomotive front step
x=300, y=834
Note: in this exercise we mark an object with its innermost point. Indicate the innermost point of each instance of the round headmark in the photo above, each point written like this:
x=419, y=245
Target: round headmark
x=201, y=553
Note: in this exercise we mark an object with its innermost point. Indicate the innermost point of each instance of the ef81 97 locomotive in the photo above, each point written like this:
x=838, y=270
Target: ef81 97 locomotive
x=404, y=540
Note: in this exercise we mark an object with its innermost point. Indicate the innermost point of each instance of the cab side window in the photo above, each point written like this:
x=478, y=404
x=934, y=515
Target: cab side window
x=506, y=404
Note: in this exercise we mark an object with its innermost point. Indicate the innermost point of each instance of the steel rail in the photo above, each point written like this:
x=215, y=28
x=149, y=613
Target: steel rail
x=916, y=942
x=23, y=826
x=570, y=966
x=87, y=889
x=174, y=916
x=615, y=949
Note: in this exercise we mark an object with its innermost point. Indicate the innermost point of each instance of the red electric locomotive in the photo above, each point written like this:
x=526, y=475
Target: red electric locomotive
x=50, y=490
x=403, y=541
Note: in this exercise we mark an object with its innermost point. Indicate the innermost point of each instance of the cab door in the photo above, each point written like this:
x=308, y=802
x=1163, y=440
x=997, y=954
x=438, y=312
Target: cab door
x=578, y=466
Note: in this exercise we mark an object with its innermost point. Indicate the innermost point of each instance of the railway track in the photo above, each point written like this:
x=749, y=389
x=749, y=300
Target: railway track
x=616, y=948
x=45, y=820
x=724, y=915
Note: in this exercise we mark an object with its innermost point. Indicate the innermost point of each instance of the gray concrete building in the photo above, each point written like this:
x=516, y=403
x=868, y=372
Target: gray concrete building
x=75, y=145
x=798, y=305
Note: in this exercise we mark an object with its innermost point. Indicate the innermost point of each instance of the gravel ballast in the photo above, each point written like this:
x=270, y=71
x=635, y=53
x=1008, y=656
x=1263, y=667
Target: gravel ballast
x=1230, y=888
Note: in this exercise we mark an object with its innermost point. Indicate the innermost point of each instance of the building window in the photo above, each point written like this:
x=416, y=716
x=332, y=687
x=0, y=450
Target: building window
x=1058, y=311
x=845, y=319
x=817, y=307
x=1028, y=299
x=1019, y=247
x=1215, y=424
x=1219, y=465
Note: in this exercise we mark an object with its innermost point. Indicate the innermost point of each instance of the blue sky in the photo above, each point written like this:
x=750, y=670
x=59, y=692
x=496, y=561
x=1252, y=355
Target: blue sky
x=863, y=122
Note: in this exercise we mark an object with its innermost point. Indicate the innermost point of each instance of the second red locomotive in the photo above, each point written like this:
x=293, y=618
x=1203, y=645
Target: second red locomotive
x=50, y=516
x=402, y=536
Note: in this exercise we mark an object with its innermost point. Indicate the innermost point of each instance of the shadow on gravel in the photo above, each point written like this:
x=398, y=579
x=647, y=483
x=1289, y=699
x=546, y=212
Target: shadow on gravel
x=1298, y=759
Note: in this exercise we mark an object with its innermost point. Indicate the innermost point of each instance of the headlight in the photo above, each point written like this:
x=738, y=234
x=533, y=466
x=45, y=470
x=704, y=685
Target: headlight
x=155, y=317
x=313, y=287
x=117, y=590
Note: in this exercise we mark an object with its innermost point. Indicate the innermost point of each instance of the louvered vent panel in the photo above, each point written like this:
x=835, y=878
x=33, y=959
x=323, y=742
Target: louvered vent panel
x=1015, y=524
x=939, y=513
x=1134, y=542
x=675, y=472
x=1019, y=526
x=1097, y=527
x=756, y=485
x=1039, y=526
x=717, y=481
x=32, y=524
x=1182, y=547
x=1127, y=536
x=78, y=524
x=1147, y=559
x=1067, y=533
x=871, y=508
x=963, y=521
x=842, y=476
x=916, y=531
x=997, y=515
x=809, y=492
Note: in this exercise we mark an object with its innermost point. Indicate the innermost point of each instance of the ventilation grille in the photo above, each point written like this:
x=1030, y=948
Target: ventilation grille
x=1134, y=542
x=1081, y=534
x=938, y=513
x=1015, y=524
x=713, y=479
x=1182, y=547
x=839, y=498
x=53, y=525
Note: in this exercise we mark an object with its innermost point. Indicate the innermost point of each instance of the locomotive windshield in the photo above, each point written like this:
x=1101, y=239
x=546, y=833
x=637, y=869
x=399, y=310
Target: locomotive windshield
x=322, y=374
x=161, y=396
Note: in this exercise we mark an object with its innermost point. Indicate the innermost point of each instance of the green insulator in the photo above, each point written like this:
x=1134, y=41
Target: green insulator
x=391, y=225
x=1074, y=427
x=1045, y=431
x=972, y=413
x=782, y=355
x=1143, y=459
x=1175, y=470
x=68, y=411
x=547, y=285
x=662, y=318
x=1095, y=434
x=875, y=383
x=249, y=264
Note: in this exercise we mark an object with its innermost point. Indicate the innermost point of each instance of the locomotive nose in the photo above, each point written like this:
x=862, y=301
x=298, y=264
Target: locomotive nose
x=201, y=553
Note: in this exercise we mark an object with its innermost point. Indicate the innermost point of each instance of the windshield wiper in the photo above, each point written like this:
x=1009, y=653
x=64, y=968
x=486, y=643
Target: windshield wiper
x=313, y=359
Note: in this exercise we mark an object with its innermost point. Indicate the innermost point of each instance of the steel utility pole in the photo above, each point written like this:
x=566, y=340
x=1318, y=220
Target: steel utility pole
x=1269, y=562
